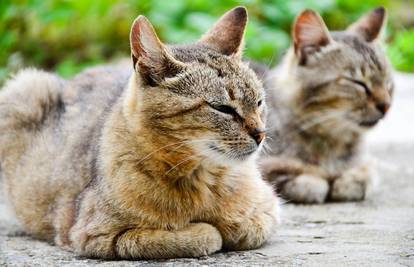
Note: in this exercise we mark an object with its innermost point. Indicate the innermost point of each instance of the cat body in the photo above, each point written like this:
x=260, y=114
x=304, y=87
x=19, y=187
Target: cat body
x=152, y=162
x=330, y=89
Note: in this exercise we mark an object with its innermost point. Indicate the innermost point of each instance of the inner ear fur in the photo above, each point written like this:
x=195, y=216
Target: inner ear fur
x=309, y=33
x=150, y=57
x=371, y=26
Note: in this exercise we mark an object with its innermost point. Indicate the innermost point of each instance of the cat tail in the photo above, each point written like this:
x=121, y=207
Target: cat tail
x=28, y=101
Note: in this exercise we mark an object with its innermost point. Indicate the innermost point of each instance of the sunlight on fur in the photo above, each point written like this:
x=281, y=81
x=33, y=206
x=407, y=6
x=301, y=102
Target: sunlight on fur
x=154, y=161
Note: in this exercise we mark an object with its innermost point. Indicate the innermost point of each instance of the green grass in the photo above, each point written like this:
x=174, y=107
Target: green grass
x=68, y=36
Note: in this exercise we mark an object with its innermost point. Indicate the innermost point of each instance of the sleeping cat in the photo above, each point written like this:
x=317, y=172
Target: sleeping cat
x=154, y=162
x=331, y=88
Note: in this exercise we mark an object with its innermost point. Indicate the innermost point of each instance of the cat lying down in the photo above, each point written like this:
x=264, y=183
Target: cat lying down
x=158, y=162
x=330, y=89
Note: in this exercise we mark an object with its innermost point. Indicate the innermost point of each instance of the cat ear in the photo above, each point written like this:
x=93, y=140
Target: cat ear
x=370, y=26
x=150, y=56
x=309, y=33
x=227, y=35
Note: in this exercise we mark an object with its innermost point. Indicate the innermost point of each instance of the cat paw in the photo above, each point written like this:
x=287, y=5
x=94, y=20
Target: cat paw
x=251, y=232
x=348, y=190
x=352, y=185
x=260, y=230
x=306, y=189
x=208, y=239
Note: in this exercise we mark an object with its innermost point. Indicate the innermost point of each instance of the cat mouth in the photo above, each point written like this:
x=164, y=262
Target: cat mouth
x=239, y=155
x=243, y=154
x=369, y=123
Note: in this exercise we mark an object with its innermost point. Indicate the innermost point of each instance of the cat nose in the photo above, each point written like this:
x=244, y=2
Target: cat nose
x=383, y=107
x=258, y=135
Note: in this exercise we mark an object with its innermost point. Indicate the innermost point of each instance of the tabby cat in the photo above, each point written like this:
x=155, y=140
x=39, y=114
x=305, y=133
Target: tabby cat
x=330, y=89
x=152, y=162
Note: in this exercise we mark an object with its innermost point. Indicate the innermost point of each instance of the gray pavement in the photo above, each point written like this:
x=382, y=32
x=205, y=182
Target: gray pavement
x=376, y=232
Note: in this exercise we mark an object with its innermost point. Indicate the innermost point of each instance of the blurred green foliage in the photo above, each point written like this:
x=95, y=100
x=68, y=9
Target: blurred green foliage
x=69, y=35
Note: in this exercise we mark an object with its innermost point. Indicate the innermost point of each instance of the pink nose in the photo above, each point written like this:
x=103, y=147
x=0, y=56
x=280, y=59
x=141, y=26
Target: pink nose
x=383, y=107
x=258, y=135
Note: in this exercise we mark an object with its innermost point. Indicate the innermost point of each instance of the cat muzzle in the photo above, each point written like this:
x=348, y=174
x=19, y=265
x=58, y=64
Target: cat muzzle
x=369, y=123
x=258, y=135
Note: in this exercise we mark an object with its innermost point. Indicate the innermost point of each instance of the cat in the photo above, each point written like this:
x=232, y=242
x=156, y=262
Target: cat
x=154, y=161
x=329, y=90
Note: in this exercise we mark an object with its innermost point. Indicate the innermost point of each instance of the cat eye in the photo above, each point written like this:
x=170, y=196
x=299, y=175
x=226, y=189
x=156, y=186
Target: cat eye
x=225, y=109
x=363, y=85
x=259, y=103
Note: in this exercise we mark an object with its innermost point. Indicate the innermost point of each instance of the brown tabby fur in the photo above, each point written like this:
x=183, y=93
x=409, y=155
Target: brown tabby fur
x=320, y=110
x=112, y=165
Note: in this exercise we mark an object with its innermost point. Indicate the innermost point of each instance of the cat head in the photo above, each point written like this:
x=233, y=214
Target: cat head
x=200, y=95
x=343, y=79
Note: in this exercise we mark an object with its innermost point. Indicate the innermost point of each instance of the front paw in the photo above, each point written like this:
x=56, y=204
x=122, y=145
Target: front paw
x=253, y=232
x=261, y=229
x=306, y=189
x=207, y=237
x=344, y=189
x=352, y=185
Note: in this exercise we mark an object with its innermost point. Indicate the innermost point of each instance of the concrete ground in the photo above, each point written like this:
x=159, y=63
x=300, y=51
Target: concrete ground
x=376, y=232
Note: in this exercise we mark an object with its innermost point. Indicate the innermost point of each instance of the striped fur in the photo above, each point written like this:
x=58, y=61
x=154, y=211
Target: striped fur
x=330, y=89
x=142, y=163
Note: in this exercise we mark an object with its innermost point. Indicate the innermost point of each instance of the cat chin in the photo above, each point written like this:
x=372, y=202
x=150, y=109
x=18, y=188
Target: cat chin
x=368, y=124
x=220, y=159
x=213, y=155
x=363, y=127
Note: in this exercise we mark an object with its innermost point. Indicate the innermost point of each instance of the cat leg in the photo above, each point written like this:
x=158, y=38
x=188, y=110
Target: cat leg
x=198, y=239
x=296, y=181
x=305, y=188
x=352, y=185
x=253, y=223
x=277, y=170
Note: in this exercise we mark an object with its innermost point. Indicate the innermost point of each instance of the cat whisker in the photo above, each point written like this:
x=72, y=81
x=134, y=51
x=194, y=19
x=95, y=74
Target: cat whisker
x=266, y=149
x=319, y=120
x=194, y=142
x=181, y=162
x=187, y=142
x=319, y=100
x=169, y=145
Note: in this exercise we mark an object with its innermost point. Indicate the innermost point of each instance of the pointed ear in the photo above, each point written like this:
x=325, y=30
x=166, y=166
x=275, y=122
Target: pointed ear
x=227, y=35
x=309, y=33
x=150, y=57
x=371, y=26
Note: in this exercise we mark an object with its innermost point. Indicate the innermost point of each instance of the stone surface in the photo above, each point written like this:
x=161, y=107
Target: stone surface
x=376, y=232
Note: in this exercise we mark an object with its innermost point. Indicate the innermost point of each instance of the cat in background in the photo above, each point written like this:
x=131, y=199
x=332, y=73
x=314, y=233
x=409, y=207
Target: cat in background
x=157, y=161
x=330, y=89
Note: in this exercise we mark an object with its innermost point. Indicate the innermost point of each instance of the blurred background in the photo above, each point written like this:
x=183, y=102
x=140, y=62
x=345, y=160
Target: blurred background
x=68, y=36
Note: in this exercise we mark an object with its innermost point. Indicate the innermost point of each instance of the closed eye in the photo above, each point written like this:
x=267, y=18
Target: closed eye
x=363, y=85
x=225, y=109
